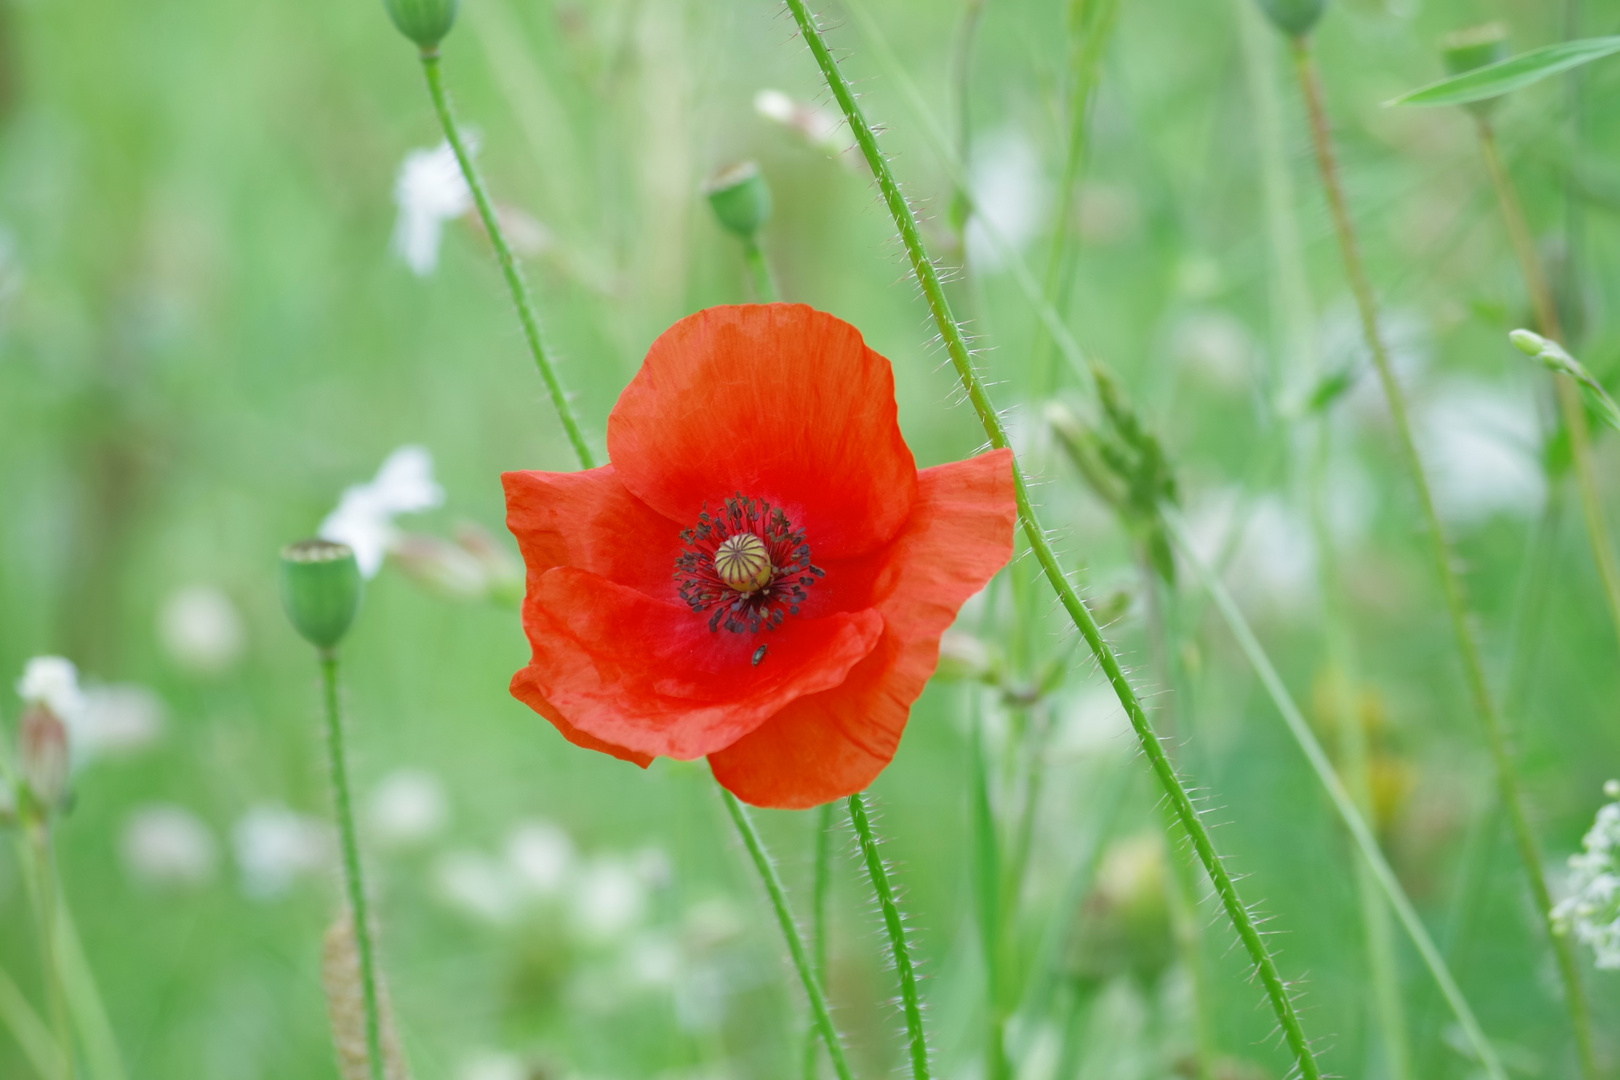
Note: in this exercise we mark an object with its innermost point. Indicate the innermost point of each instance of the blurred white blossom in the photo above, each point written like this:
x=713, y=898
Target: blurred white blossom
x=1275, y=555
x=201, y=629
x=430, y=191
x=276, y=846
x=1480, y=443
x=53, y=681
x=1592, y=910
x=609, y=899
x=652, y=959
x=1009, y=199
x=118, y=719
x=817, y=125
x=491, y=1065
x=478, y=885
x=541, y=855
x=407, y=807
x=168, y=845
x=1215, y=344
x=364, y=518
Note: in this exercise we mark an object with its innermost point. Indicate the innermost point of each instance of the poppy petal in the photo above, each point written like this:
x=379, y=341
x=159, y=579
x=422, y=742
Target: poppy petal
x=651, y=677
x=588, y=520
x=526, y=690
x=828, y=745
x=772, y=401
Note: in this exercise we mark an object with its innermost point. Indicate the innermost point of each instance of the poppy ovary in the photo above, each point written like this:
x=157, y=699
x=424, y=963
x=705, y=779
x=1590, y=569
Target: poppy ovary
x=747, y=565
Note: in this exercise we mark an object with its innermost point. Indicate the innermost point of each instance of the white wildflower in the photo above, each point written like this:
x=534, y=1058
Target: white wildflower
x=479, y=885
x=407, y=808
x=1481, y=443
x=276, y=846
x=493, y=1066
x=430, y=191
x=201, y=629
x=53, y=681
x=364, y=518
x=167, y=845
x=1592, y=909
x=118, y=719
x=652, y=960
x=1009, y=199
x=817, y=125
x=541, y=855
x=609, y=898
x=1217, y=345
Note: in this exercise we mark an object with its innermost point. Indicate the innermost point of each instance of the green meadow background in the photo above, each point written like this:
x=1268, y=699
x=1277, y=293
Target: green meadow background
x=205, y=336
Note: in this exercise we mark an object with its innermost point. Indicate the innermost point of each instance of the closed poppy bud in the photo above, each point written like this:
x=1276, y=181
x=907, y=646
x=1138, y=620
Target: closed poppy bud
x=320, y=588
x=423, y=21
x=740, y=198
x=44, y=757
x=1475, y=48
x=1296, y=18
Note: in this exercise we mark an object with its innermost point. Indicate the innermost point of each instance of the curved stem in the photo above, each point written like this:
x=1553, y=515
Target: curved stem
x=956, y=345
x=343, y=806
x=41, y=871
x=1440, y=548
x=790, y=931
x=509, y=264
x=896, y=926
x=818, y=922
x=764, y=283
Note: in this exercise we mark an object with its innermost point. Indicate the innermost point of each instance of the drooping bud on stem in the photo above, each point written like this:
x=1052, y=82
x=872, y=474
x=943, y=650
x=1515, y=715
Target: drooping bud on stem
x=1296, y=18
x=1555, y=358
x=741, y=199
x=45, y=758
x=320, y=589
x=1474, y=48
x=425, y=22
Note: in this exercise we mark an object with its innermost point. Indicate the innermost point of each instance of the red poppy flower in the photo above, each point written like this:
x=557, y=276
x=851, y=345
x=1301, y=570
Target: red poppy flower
x=762, y=575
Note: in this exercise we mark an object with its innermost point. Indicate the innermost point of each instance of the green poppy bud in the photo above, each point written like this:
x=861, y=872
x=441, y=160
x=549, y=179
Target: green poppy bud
x=740, y=198
x=1296, y=18
x=423, y=21
x=1474, y=48
x=320, y=588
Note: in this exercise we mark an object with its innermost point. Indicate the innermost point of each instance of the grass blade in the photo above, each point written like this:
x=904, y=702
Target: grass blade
x=1514, y=73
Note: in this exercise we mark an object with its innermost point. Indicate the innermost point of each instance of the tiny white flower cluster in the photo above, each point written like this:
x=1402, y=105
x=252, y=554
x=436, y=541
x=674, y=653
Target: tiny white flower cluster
x=430, y=191
x=364, y=518
x=1592, y=910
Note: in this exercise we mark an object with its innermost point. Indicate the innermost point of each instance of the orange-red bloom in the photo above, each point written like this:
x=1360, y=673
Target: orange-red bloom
x=762, y=575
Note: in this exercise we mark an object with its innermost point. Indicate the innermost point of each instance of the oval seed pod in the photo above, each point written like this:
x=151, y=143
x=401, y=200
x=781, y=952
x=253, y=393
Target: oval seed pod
x=740, y=198
x=425, y=22
x=320, y=588
x=1296, y=18
x=1474, y=48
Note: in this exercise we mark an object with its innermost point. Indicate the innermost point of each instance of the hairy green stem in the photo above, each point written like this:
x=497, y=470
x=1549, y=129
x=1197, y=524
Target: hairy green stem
x=820, y=888
x=509, y=264
x=896, y=926
x=790, y=931
x=1440, y=549
x=956, y=345
x=349, y=842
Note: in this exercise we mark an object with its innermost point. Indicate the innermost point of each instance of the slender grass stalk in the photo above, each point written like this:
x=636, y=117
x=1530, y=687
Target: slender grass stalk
x=790, y=931
x=764, y=282
x=509, y=264
x=39, y=867
x=956, y=345
x=32, y=1035
x=821, y=887
x=349, y=843
x=1343, y=802
x=987, y=894
x=1570, y=405
x=896, y=926
x=1440, y=548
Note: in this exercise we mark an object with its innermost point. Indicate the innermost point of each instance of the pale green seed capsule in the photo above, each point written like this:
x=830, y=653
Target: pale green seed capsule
x=425, y=22
x=740, y=198
x=320, y=588
x=1296, y=18
x=1474, y=48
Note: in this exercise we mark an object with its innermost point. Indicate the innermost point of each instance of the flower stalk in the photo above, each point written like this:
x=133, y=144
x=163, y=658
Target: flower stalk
x=895, y=923
x=820, y=888
x=1529, y=847
x=510, y=269
x=956, y=345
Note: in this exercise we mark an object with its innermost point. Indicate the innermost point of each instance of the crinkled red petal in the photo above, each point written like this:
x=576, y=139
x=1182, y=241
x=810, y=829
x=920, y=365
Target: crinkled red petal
x=773, y=401
x=527, y=691
x=828, y=745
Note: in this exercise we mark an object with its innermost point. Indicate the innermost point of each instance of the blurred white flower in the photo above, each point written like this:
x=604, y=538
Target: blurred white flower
x=1009, y=199
x=408, y=807
x=1592, y=909
x=541, y=855
x=478, y=885
x=117, y=719
x=275, y=846
x=1480, y=444
x=712, y=922
x=652, y=960
x=53, y=681
x=167, y=845
x=201, y=629
x=492, y=1065
x=609, y=899
x=1093, y=722
x=364, y=518
x=1217, y=345
x=653, y=867
x=430, y=191
x=1275, y=557
x=818, y=126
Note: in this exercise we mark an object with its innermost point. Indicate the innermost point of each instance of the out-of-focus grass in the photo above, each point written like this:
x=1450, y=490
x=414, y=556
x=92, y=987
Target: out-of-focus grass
x=204, y=337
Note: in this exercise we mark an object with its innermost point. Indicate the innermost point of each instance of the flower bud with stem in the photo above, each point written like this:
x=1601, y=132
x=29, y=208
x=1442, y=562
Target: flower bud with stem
x=741, y=201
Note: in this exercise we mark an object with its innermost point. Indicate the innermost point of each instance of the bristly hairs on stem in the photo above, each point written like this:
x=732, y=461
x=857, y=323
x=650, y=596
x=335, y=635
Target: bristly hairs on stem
x=1266, y=968
x=510, y=268
x=1462, y=619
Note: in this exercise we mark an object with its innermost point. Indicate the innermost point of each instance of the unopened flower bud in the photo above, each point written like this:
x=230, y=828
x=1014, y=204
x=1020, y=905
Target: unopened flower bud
x=1296, y=18
x=740, y=198
x=44, y=757
x=425, y=22
x=1611, y=789
x=1474, y=48
x=320, y=588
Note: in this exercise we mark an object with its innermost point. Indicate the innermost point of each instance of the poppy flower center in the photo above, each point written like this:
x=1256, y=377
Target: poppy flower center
x=747, y=565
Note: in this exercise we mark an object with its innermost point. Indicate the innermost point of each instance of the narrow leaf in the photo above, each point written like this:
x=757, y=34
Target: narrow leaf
x=1505, y=76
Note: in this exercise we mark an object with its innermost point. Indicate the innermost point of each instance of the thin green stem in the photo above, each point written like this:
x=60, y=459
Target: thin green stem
x=820, y=889
x=790, y=931
x=956, y=345
x=509, y=264
x=988, y=894
x=30, y=1033
x=1440, y=548
x=764, y=283
x=41, y=872
x=349, y=842
x=896, y=926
